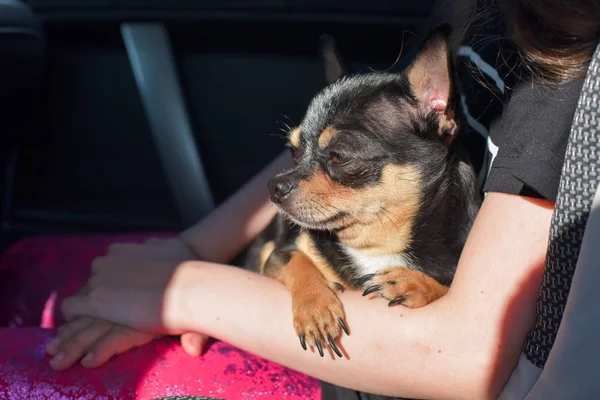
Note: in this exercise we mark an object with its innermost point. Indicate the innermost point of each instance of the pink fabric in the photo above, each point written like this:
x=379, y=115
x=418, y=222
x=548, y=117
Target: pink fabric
x=156, y=370
x=37, y=273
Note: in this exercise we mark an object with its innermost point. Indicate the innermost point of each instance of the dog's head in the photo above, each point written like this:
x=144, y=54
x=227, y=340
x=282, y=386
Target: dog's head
x=370, y=144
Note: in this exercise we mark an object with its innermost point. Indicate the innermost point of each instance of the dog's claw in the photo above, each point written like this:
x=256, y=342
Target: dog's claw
x=343, y=325
x=334, y=347
x=372, y=289
x=320, y=348
x=365, y=279
x=397, y=300
x=303, y=341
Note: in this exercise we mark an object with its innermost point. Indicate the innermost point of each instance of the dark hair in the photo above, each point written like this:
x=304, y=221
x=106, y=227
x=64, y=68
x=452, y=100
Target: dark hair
x=555, y=38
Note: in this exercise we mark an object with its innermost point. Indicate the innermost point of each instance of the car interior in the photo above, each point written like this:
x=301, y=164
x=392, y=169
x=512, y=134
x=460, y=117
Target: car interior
x=130, y=116
x=141, y=116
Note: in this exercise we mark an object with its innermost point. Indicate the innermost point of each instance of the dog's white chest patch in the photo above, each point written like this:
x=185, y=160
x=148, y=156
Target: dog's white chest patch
x=370, y=264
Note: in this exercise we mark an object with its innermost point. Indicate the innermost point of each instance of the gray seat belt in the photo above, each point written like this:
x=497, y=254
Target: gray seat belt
x=153, y=65
x=560, y=356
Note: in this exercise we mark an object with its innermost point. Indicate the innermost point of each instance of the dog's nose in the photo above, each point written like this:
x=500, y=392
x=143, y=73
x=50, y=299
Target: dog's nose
x=279, y=189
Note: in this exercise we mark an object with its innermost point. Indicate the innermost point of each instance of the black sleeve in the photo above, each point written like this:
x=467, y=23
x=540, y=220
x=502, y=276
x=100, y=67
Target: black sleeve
x=532, y=135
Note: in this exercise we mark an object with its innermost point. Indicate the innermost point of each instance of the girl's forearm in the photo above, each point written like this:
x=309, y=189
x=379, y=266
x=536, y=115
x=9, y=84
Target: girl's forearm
x=391, y=351
x=464, y=345
x=235, y=223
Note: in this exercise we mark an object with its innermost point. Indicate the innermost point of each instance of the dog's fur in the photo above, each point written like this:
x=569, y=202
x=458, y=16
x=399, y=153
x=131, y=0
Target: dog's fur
x=381, y=198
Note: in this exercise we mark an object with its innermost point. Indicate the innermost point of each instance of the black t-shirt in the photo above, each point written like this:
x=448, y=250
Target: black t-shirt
x=518, y=128
x=532, y=135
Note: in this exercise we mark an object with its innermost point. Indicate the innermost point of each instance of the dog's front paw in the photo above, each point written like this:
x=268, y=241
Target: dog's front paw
x=319, y=318
x=400, y=285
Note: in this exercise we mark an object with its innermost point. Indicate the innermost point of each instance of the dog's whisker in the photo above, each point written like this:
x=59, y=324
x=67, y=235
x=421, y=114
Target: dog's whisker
x=279, y=136
x=383, y=210
x=382, y=225
x=327, y=206
x=287, y=126
x=288, y=118
x=322, y=213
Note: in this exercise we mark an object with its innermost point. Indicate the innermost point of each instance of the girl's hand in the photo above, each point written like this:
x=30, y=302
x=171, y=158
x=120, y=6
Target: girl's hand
x=93, y=339
x=132, y=292
x=107, y=339
x=174, y=249
x=143, y=269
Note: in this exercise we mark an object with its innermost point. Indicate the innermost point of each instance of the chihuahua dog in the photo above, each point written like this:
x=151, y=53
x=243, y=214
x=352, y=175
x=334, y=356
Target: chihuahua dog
x=382, y=195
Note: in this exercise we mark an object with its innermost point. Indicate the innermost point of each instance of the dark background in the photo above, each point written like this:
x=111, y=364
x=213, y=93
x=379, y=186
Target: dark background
x=86, y=159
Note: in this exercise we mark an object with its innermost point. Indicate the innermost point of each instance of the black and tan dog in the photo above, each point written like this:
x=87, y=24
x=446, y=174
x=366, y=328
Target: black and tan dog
x=381, y=197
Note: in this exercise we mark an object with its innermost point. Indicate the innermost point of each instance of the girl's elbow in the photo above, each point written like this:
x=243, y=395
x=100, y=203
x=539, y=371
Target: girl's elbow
x=489, y=371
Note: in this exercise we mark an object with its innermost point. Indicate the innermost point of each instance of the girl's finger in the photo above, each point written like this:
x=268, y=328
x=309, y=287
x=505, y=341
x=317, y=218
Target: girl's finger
x=66, y=331
x=117, y=341
x=193, y=343
x=71, y=349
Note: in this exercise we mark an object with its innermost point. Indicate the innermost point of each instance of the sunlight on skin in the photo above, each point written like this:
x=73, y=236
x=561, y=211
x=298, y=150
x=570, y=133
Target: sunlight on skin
x=462, y=346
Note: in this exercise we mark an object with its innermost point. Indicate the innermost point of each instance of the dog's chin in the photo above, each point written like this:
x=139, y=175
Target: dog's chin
x=325, y=224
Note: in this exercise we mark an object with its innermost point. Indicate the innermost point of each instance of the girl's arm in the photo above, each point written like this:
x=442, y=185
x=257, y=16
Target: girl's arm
x=226, y=231
x=217, y=238
x=465, y=345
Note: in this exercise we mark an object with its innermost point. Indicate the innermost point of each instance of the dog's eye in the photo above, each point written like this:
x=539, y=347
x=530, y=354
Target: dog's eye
x=337, y=158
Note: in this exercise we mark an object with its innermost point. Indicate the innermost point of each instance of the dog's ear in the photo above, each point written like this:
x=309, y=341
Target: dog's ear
x=431, y=76
x=332, y=61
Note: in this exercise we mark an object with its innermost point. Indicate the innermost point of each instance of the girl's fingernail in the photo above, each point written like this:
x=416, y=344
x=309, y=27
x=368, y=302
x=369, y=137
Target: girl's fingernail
x=88, y=357
x=58, y=358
